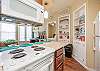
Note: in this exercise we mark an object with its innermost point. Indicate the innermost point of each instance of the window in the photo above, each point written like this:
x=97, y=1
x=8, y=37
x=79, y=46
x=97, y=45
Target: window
x=22, y=33
x=7, y=31
x=25, y=32
x=28, y=32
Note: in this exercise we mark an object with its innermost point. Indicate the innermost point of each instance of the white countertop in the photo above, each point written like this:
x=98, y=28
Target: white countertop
x=55, y=45
x=15, y=64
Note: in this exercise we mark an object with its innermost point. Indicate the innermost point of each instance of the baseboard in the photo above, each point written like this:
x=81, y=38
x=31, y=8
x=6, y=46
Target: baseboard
x=89, y=69
x=80, y=62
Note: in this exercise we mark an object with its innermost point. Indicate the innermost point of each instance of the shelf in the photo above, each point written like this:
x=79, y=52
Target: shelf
x=79, y=25
x=64, y=27
x=78, y=41
x=80, y=17
x=79, y=33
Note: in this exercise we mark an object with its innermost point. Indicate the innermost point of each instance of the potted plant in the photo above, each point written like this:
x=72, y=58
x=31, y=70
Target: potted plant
x=2, y=44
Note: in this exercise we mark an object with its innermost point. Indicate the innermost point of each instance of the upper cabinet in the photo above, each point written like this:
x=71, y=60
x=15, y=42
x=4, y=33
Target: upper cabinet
x=24, y=9
x=40, y=14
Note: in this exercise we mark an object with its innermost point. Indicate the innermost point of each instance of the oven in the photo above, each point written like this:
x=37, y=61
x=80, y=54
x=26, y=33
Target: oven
x=44, y=64
x=47, y=67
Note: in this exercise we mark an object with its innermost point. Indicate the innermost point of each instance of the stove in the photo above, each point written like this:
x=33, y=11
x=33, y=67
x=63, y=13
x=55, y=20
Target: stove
x=38, y=55
x=39, y=49
x=20, y=55
x=16, y=51
x=34, y=46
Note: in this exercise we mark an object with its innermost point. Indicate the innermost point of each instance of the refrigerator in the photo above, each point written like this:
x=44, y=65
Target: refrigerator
x=97, y=42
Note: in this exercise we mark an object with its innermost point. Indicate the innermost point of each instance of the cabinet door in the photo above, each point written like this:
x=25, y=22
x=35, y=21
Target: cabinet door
x=59, y=52
x=60, y=68
x=59, y=60
x=40, y=15
x=19, y=9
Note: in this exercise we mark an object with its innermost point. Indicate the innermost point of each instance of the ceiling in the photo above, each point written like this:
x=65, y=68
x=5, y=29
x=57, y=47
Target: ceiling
x=57, y=5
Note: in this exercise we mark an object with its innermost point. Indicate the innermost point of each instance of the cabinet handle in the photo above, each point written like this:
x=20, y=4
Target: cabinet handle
x=41, y=12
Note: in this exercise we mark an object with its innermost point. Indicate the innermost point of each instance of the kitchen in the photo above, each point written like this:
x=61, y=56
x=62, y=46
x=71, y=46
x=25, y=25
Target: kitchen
x=49, y=35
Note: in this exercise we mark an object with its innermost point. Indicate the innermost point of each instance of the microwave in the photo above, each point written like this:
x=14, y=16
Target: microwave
x=24, y=9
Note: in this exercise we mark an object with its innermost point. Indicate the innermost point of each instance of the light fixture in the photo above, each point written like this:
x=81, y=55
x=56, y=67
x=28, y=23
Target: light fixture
x=52, y=24
x=46, y=14
x=45, y=3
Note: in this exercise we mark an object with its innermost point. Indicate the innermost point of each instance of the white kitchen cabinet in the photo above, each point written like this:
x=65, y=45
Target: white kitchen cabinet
x=79, y=34
x=40, y=14
x=24, y=9
x=79, y=51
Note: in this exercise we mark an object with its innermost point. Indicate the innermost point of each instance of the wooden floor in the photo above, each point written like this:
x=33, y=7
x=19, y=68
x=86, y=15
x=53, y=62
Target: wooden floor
x=72, y=65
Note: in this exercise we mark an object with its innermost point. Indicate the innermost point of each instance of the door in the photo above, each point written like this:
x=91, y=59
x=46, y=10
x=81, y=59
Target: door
x=97, y=54
x=97, y=25
x=97, y=43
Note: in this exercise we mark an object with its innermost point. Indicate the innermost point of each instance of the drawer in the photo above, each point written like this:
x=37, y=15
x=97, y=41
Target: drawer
x=59, y=60
x=60, y=68
x=59, y=52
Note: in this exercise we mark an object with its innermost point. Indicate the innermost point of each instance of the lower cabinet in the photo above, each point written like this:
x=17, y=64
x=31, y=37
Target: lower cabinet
x=58, y=66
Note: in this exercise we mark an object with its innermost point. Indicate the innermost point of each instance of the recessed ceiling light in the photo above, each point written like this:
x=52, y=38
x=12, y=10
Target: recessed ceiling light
x=45, y=3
